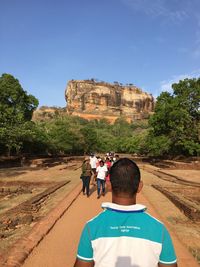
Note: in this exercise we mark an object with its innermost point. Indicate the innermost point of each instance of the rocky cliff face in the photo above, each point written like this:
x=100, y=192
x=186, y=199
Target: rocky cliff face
x=90, y=99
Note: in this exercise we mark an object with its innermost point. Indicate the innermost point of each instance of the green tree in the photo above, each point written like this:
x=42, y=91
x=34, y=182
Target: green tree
x=121, y=128
x=106, y=141
x=133, y=144
x=158, y=146
x=36, y=139
x=90, y=139
x=176, y=121
x=64, y=136
x=16, y=108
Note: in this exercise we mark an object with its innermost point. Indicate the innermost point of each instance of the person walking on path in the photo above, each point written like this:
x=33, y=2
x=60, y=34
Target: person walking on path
x=86, y=176
x=125, y=235
x=101, y=178
x=108, y=164
x=93, y=162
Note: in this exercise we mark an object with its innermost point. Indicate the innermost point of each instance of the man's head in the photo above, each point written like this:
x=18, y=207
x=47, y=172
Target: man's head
x=101, y=163
x=125, y=178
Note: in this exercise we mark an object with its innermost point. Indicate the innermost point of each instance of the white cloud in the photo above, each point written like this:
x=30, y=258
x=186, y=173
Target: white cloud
x=167, y=84
x=157, y=8
x=175, y=12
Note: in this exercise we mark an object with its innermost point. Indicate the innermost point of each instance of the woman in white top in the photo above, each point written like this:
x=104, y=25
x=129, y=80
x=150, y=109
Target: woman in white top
x=101, y=178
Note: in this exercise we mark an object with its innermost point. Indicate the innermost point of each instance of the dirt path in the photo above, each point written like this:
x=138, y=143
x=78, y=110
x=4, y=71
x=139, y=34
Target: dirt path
x=58, y=248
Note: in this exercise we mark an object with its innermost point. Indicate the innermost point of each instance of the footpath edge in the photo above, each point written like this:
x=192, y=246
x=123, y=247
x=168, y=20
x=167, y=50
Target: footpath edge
x=23, y=247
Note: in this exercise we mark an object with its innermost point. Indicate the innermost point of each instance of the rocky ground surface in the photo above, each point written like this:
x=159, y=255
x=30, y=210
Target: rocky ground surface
x=29, y=196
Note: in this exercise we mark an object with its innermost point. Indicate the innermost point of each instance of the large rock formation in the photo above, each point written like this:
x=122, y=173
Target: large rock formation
x=95, y=100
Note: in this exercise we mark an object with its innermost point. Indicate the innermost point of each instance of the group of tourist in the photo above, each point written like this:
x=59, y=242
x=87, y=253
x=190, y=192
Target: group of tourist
x=124, y=234
x=95, y=171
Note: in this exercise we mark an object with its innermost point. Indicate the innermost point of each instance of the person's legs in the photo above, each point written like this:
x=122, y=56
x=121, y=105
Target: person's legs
x=84, y=184
x=98, y=187
x=103, y=187
x=88, y=185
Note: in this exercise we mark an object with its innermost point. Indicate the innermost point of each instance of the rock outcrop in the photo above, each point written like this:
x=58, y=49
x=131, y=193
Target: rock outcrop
x=45, y=113
x=95, y=100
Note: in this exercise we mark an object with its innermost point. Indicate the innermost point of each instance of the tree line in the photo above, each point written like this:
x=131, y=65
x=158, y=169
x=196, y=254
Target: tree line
x=173, y=129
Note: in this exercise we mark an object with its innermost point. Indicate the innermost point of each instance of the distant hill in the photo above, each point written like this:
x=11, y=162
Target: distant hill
x=45, y=113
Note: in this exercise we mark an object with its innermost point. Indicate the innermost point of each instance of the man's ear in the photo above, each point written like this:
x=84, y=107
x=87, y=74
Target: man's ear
x=140, y=187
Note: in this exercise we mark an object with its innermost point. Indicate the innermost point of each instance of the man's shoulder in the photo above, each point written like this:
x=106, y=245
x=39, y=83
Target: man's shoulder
x=100, y=216
x=152, y=225
x=153, y=218
x=144, y=216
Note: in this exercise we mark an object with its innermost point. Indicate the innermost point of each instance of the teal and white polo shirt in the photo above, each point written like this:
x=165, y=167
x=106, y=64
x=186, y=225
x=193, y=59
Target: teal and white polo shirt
x=125, y=236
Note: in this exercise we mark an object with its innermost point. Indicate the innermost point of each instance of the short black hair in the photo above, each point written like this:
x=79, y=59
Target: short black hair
x=125, y=177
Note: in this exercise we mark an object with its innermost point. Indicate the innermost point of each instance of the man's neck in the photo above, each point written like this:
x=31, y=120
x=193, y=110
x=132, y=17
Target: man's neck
x=124, y=200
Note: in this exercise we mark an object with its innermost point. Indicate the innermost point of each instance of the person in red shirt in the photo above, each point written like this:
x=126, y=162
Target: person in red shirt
x=108, y=164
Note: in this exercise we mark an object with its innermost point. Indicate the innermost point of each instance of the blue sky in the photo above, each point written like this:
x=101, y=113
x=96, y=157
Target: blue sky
x=46, y=43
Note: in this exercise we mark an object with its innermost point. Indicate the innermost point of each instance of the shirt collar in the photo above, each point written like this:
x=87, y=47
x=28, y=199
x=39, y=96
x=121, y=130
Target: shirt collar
x=123, y=208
